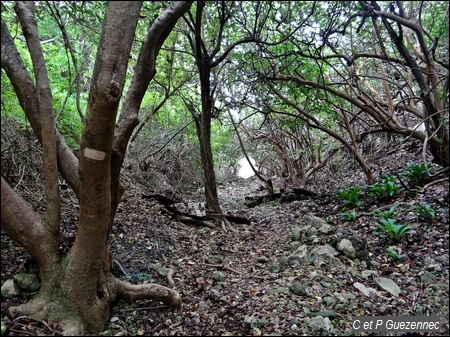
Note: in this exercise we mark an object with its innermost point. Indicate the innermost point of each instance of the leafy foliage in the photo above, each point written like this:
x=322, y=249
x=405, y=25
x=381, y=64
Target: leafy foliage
x=392, y=229
x=349, y=215
x=385, y=188
x=425, y=212
x=415, y=173
x=393, y=254
x=351, y=196
x=389, y=214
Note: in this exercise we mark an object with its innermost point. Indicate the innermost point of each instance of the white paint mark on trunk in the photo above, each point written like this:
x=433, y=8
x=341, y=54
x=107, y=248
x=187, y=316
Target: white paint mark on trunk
x=94, y=154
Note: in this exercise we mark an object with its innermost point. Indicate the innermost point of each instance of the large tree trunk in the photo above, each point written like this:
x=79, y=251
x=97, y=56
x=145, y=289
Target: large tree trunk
x=78, y=288
x=73, y=289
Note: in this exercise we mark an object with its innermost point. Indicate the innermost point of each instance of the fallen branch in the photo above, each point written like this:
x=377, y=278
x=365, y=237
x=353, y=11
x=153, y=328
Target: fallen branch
x=295, y=194
x=195, y=212
x=195, y=220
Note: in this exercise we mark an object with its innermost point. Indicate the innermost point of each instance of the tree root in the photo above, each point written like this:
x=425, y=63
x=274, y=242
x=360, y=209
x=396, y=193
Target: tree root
x=170, y=277
x=131, y=292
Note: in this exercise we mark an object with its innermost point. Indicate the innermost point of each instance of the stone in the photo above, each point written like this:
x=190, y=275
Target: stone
x=9, y=289
x=367, y=291
x=428, y=278
x=218, y=276
x=320, y=323
x=27, y=282
x=347, y=248
x=388, y=284
x=298, y=289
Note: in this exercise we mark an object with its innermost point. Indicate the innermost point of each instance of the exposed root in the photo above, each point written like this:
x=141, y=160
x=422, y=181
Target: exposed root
x=226, y=224
x=35, y=307
x=170, y=277
x=131, y=292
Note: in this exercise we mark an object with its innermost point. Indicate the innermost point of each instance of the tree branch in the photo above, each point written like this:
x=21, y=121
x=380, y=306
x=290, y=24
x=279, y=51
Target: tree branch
x=25, y=14
x=26, y=93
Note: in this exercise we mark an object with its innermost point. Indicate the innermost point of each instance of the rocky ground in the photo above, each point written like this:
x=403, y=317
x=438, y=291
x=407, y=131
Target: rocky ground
x=289, y=272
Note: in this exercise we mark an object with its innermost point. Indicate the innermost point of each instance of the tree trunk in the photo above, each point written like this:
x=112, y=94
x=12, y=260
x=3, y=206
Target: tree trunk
x=77, y=289
x=204, y=134
x=203, y=121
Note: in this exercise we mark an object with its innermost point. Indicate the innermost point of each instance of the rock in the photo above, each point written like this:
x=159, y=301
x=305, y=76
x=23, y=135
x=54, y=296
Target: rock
x=323, y=313
x=218, y=276
x=298, y=289
x=313, y=221
x=214, y=294
x=388, y=284
x=428, y=278
x=27, y=282
x=367, y=291
x=359, y=244
x=282, y=290
x=368, y=273
x=320, y=323
x=326, y=228
x=9, y=289
x=347, y=248
x=330, y=301
x=4, y=329
x=324, y=250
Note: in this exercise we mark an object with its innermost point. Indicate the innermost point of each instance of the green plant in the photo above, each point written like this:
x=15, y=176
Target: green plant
x=387, y=214
x=392, y=229
x=384, y=189
x=415, y=173
x=393, y=254
x=425, y=211
x=350, y=196
x=349, y=215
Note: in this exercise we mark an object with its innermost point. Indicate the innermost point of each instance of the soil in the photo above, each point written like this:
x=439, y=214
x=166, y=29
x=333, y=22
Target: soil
x=233, y=282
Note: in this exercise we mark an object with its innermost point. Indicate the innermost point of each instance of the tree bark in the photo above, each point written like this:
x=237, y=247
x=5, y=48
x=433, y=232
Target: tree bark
x=78, y=288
